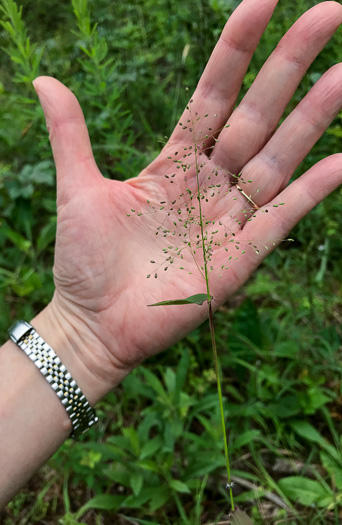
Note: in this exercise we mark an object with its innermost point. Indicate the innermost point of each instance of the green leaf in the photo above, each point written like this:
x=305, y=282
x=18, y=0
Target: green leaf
x=153, y=381
x=40, y=173
x=119, y=473
x=47, y=234
x=103, y=502
x=131, y=434
x=287, y=406
x=286, y=349
x=122, y=442
x=238, y=517
x=244, y=438
x=179, y=486
x=307, y=431
x=312, y=399
x=160, y=496
x=333, y=468
x=193, y=299
x=150, y=447
x=306, y=491
x=170, y=381
x=17, y=239
x=136, y=482
x=201, y=466
x=135, y=502
x=148, y=464
x=156, y=495
x=28, y=281
x=91, y=458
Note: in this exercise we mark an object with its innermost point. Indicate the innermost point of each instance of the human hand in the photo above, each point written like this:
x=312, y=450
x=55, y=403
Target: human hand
x=102, y=256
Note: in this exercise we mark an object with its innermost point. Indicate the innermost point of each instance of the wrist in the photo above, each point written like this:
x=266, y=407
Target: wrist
x=78, y=349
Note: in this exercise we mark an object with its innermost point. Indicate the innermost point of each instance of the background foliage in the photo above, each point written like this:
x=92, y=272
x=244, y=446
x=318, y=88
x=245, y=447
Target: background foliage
x=156, y=457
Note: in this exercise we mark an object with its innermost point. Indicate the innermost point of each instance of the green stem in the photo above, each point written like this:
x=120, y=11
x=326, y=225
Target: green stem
x=219, y=391
x=212, y=329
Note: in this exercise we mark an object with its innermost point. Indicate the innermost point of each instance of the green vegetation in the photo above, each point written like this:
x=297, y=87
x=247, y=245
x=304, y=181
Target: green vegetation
x=157, y=455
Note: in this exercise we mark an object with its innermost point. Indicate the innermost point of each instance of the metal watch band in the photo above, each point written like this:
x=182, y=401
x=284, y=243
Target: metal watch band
x=82, y=415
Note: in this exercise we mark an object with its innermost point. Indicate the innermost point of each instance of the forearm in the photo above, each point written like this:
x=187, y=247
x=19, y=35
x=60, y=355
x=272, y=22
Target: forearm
x=33, y=421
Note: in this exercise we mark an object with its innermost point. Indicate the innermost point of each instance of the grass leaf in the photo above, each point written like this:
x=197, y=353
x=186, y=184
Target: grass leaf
x=193, y=299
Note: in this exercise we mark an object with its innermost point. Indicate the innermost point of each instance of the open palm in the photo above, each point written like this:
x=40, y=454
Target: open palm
x=103, y=256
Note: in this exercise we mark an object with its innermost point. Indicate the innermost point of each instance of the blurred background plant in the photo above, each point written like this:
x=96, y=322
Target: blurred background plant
x=156, y=457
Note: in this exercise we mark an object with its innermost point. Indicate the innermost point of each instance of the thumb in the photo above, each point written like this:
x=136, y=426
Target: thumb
x=68, y=133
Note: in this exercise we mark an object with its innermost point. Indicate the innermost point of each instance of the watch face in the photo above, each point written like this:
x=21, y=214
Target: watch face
x=18, y=330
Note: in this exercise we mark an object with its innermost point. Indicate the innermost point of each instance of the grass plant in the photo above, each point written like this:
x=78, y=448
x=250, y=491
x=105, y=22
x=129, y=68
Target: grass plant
x=192, y=230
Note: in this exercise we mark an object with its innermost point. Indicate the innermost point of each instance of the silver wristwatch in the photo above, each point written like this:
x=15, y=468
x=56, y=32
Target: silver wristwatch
x=82, y=415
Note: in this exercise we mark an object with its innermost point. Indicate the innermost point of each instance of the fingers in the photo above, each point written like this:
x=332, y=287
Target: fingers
x=269, y=229
x=255, y=119
x=68, y=134
x=299, y=198
x=272, y=168
x=221, y=81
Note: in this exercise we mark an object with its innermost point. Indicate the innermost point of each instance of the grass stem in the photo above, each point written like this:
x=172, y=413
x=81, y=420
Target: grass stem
x=219, y=391
x=211, y=324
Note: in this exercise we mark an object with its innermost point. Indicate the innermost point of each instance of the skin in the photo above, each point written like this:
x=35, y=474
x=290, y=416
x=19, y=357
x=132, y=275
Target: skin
x=102, y=257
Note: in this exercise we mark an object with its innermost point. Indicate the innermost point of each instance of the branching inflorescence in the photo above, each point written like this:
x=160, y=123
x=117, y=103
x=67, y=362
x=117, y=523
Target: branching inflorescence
x=191, y=223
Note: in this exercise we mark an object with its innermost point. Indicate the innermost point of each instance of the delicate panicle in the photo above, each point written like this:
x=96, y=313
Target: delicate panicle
x=196, y=207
